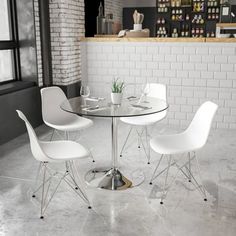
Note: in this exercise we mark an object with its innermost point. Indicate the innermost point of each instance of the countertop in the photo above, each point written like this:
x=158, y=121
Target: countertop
x=114, y=38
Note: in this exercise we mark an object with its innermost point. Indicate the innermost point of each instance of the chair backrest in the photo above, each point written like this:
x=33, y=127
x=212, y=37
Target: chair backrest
x=199, y=128
x=52, y=98
x=34, y=143
x=157, y=91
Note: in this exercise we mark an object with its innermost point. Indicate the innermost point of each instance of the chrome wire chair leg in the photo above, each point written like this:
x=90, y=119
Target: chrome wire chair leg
x=52, y=135
x=37, y=178
x=166, y=177
x=42, y=198
x=202, y=188
x=158, y=164
x=148, y=145
x=188, y=169
x=126, y=140
x=67, y=135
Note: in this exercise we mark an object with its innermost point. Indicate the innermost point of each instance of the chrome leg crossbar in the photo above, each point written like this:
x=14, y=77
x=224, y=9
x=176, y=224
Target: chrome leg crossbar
x=186, y=171
x=69, y=177
x=146, y=145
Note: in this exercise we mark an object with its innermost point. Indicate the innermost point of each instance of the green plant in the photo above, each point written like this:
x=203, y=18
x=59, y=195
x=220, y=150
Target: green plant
x=117, y=87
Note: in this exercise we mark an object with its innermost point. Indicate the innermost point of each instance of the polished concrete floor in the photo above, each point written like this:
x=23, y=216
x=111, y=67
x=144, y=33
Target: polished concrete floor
x=136, y=211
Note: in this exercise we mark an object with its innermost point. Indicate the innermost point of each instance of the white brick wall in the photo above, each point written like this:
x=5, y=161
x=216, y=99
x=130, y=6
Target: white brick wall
x=114, y=7
x=38, y=43
x=193, y=73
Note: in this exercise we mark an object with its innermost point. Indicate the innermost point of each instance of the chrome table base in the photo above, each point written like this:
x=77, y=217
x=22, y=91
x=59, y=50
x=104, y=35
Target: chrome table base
x=110, y=180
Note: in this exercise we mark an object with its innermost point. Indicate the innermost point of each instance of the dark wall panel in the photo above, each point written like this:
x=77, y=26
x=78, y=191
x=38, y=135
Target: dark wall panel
x=26, y=100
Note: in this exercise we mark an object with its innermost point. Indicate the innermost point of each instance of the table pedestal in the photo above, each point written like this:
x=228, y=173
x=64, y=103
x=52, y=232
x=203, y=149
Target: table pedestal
x=111, y=179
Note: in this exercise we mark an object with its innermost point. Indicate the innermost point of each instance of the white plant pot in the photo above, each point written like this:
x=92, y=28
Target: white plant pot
x=137, y=27
x=116, y=98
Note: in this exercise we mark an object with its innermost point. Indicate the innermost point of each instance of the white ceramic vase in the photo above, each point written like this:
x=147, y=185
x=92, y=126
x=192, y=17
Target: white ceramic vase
x=137, y=27
x=116, y=98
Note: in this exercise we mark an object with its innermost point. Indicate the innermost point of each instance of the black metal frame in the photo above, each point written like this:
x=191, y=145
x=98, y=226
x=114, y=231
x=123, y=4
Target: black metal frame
x=13, y=43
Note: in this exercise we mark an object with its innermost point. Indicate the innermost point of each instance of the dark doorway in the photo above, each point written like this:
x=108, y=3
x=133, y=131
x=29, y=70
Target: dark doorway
x=91, y=12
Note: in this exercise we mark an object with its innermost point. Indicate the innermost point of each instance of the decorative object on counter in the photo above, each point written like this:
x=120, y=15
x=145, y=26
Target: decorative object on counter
x=100, y=20
x=116, y=27
x=162, y=32
x=225, y=12
x=109, y=23
x=174, y=33
x=138, y=20
x=117, y=91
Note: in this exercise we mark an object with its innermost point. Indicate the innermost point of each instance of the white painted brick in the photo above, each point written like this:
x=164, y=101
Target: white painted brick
x=175, y=107
x=232, y=59
x=170, y=73
x=170, y=58
x=193, y=101
x=200, y=82
x=187, y=82
x=153, y=49
x=182, y=58
x=189, y=50
x=195, y=58
x=230, y=119
x=135, y=57
x=227, y=67
x=213, y=67
x=213, y=83
x=221, y=59
x=220, y=75
x=199, y=94
x=202, y=51
x=164, y=50
x=194, y=74
x=146, y=73
x=152, y=65
x=141, y=50
x=233, y=111
x=215, y=50
x=177, y=50
x=180, y=115
x=140, y=65
x=208, y=58
x=174, y=81
x=222, y=125
x=182, y=74
x=123, y=57
x=188, y=66
x=187, y=93
x=176, y=65
x=158, y=58
x=135, y=72
x=186, y=108
x=207, y=74
x=226, y=83
x=164, y=65
x=181, y=100
x=129, y=49
x=212, y=94
x=112, y=57
x=225, y=95
x=158, y=73
x=175, y=92
x=118, y=49
x=147, y=57
x=201, y=66
x=228, y=51
x=231, y=75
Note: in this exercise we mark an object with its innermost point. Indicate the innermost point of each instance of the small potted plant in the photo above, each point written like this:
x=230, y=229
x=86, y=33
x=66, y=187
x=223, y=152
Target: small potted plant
x=116, y=91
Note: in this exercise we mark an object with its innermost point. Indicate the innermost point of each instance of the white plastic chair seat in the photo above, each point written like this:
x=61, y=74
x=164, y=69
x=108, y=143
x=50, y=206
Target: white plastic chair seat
x=63, y=150
x=173, y=144
x=69, y=122
x=144, y=120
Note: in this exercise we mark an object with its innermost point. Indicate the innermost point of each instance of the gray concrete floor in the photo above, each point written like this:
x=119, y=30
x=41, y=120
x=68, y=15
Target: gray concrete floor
x=135, y=211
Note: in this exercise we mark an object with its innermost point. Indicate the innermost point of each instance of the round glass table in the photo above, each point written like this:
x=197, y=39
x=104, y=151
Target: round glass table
x=112, y=178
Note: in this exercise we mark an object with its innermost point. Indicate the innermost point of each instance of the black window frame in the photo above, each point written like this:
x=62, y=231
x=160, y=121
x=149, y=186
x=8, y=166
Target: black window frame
x=13, y=43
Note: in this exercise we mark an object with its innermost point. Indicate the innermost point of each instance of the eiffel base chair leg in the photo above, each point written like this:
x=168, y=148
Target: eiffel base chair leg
x=69, y=177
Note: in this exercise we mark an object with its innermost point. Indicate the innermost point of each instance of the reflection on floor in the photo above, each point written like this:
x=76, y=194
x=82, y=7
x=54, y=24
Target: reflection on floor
x=136, y=211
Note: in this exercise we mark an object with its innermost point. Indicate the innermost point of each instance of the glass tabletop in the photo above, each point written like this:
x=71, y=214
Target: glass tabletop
x=126, y=109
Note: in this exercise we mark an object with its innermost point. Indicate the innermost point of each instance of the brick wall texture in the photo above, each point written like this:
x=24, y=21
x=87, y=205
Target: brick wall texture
x=67, y=26
x=193, y=73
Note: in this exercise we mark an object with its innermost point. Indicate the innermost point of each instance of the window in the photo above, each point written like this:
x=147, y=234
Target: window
x=9, y=51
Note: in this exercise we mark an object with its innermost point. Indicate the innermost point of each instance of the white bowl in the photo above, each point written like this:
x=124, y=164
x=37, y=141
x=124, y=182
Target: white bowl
x=235, y=35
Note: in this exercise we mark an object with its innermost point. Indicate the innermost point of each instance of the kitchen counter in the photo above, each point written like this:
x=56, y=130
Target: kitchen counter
x=113, y=38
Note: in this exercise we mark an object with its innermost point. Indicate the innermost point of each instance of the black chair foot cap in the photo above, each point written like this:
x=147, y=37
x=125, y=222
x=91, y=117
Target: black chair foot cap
x=148, y=163
x=150, y=183
x=41, y=217
x=93, y=160
x=33, y=195
x=138, y=146
x=189, y=181
x=205, y=199
x=161, y=203
x=67, y=171
x=120, y=155
x=76, y=188
x=89, y=207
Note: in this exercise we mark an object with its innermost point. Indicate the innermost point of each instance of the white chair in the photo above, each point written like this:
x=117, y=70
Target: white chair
x=192, y=139
x=55, y=152
x=157, y=91
x=56, y=118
